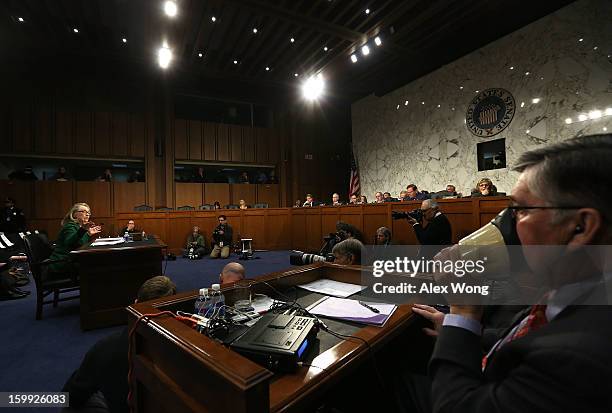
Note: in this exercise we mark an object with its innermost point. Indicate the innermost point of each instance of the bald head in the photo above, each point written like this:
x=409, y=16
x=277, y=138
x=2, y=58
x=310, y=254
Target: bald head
x=232, y=272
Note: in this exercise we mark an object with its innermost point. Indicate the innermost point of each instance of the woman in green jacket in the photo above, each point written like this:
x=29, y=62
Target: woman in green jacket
x=76, y=231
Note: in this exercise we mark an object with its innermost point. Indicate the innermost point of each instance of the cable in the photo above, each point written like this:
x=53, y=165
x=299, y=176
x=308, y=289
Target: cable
x=302, y=364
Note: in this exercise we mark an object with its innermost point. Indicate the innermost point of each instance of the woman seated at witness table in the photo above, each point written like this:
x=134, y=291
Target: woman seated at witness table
x=76, y=231
x=484, y=187
x=243, y=204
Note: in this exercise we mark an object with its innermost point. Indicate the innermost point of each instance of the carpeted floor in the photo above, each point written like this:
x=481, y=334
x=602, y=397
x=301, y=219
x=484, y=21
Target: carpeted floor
x=40, y=355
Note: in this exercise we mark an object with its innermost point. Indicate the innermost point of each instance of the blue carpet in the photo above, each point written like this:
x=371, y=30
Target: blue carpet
x=41, y=355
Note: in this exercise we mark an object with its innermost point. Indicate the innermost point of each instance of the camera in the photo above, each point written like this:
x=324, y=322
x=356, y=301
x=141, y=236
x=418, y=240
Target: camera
x=415, y=213
x=301, y=258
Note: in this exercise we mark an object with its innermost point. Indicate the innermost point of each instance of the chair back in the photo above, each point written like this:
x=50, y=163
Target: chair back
x=143, y=208
x=163, y=209
x=261, y=205
x=206, y=207
x=232, y=206
x=37, y=249
x=185, y=208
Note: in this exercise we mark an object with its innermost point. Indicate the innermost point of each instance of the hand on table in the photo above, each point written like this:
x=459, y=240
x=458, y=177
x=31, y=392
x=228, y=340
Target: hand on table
x=431, y=314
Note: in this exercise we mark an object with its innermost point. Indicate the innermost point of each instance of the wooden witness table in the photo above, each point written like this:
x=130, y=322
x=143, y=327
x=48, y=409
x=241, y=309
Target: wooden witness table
x=177, y=369
x=304, y=228
x=111, y=276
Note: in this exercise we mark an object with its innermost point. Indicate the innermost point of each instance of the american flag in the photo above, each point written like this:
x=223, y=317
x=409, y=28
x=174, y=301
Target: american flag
x=354, y=186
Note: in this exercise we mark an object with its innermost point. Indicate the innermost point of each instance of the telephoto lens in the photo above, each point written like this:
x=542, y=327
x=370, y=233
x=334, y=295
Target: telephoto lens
x=301, y=258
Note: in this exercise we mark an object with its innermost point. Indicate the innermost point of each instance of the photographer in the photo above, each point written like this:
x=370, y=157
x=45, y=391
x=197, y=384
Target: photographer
x=438, y=230
x=348, y=252
x=222, y=239
x=196, y=246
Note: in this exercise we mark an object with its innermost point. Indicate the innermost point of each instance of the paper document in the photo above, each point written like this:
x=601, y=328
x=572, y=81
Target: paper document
x=262, y=304
x=353, y=310
x=107, y=241
x=333, y=288
x=7, y=242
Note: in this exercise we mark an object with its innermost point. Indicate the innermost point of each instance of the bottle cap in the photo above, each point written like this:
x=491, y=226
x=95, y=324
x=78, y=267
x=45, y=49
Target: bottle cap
x=216, y=287
x=203, y=291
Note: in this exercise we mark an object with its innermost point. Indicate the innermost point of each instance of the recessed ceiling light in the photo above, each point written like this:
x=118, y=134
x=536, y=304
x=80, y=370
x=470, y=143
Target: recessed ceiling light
x=213, y=19
x=511, y=67
x=200, y=54
x=325, y=49
x=582, y=117
x=170, y=8
x=292, y=40
x=527, y=131
x=124, y=40
x=460, y=87
x=377, y=41
x=581, y=39
x=604, y=129
x=438, y=105
x=354, y=58
x=476, y=91
x=608, y=111
x=235, y=62
x=397, y=107
x=527, y=73
x=453, y=108
x=422, y=103
x=20, y=19
x=365, y=50
x=295, y=74
x=267, y=68
x=595, y=114
x=254, y=30
x=406, y=103
x=522, y=104
x=595, y=48
x=75, y=30
x=367, y=11
x=568, y=120
x=313, y=87
x=535, y=100
x=164, y=56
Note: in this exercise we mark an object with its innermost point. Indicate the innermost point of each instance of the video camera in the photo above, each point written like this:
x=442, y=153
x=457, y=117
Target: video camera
x=415, y=213
x=302, y=258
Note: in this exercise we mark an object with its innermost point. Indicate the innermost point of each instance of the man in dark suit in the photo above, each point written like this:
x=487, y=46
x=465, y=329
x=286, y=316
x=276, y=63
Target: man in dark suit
x=556, y=357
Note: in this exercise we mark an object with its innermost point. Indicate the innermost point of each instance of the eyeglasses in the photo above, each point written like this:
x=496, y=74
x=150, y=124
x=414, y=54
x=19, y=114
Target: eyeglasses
x=518, y=211
x=84, y=211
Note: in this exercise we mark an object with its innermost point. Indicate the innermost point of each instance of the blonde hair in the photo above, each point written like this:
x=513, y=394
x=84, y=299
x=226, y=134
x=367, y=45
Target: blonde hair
x=484, y=181
x=70, y=215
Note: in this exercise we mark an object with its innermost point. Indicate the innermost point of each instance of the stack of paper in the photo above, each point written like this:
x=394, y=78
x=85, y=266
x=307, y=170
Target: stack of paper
x=107, y=241
x=352, y=310
x=333, y=288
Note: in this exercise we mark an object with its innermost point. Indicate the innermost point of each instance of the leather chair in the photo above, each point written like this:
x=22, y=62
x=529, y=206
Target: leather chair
x=232, y=206
x=143, y=208
x=38, y=251
x=261, y=205
x=166, y=209
x=185, y=208
x=206, y=207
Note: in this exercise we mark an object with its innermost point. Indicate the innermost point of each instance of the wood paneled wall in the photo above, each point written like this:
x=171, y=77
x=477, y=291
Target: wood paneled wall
x=205, y=141
x=193, y=194
x=39, y=130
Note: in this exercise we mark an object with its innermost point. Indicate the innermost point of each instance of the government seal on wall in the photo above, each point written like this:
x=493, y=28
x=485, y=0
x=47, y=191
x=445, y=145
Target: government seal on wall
x=490, y=112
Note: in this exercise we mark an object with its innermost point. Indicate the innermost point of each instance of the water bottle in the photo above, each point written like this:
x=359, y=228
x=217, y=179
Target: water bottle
x=218, y=300
x=144, y=235
x=202, y=304
x=126, y=237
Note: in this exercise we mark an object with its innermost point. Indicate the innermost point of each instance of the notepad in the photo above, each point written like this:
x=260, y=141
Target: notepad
x=107, y=241
x=352, y=310
x=333, y=288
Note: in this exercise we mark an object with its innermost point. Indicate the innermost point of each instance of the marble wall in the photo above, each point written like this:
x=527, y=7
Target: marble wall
x=417, y=133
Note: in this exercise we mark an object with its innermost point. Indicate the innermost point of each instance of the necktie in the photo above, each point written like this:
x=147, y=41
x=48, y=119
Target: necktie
x=535, y=320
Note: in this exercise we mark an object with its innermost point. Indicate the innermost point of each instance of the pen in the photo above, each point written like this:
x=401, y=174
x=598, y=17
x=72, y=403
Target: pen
x=369, y=307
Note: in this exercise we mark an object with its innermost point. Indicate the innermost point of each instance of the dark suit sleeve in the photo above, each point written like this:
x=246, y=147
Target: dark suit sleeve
x=229, y=234
x=542, y=380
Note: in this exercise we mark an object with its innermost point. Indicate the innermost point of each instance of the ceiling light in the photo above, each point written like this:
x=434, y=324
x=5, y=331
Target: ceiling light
x=527, y=131
x=75, y=30
x=267, y=68
x=453, y=108
x=522, y=104
x=608, y=111
x=377, y=41
x=235, y=62
x=365, y=50
x=568, y=121
x=397, y=107
x=325, y=49
x=477, y=91
x=164, y=56
x=511, y=67
x=200, y=54
x=213, y=19
x=367, y=11
x=422, y=103
x=535, y=100
x=595, y=114
x=527, y=73
x=170, y=8
x=460, y=87
x=354, y=58
x=581, y=39
x=582, y=117
x=604, y=129
x=313, y=87
x=292, y=40
x=254, y=30
x=406, y=103
x=296, y=74
x=124, y=40
x=20, y=19
x=595, y=48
